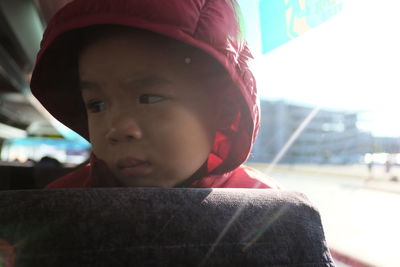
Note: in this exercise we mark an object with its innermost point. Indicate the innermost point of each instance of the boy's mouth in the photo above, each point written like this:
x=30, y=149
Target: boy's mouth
x=133, y=167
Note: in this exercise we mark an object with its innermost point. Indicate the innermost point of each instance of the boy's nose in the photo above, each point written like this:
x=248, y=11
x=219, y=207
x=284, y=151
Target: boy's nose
x=124, y=131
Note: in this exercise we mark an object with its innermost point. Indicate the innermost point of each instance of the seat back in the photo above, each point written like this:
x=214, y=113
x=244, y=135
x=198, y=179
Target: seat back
x=161, y=227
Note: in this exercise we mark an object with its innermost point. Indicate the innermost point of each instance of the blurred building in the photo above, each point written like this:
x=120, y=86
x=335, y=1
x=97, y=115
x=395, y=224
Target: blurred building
x=331, y=137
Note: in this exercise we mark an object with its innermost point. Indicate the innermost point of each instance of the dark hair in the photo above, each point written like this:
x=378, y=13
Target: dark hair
x=203, y=61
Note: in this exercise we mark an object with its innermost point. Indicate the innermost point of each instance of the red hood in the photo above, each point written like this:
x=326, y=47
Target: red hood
x=209, y=25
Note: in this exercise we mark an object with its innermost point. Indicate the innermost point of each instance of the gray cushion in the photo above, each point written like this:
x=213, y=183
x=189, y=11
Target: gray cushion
x=162, y=227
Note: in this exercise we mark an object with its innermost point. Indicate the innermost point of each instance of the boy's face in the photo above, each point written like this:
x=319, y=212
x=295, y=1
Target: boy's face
x=150, y=118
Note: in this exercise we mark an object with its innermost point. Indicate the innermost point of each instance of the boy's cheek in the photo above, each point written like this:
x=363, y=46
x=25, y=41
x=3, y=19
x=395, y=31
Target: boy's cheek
x=97, y=128
x=99, y=145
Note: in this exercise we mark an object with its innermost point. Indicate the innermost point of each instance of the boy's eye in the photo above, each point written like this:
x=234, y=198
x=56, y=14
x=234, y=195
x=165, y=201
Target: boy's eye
x=150, y=99
x=96, y=106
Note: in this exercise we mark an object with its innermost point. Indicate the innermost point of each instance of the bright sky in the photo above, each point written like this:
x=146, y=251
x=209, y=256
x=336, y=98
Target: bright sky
x=350, y=62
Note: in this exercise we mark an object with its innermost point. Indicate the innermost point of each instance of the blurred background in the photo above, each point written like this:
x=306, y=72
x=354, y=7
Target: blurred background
x=327, y=73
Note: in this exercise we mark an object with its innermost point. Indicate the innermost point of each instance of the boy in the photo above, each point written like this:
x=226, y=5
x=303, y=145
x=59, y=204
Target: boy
x=161, y=89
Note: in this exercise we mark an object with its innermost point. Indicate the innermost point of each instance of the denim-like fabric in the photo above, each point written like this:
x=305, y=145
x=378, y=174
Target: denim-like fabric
x=162, y=227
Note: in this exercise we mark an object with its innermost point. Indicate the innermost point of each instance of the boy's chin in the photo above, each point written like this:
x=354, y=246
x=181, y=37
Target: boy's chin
x=139, y=176
x=129, y=181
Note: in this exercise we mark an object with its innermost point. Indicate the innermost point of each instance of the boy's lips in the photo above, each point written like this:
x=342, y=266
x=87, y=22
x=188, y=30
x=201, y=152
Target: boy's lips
x=133, y=167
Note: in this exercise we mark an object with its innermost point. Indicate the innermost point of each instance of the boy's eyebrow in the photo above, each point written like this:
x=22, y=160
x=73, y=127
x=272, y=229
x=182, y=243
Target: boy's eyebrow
x=146, y=81
x=83, y=85
x=132, y=83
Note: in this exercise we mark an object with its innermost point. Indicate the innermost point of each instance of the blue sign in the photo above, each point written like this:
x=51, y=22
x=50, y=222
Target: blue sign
x=284, y=20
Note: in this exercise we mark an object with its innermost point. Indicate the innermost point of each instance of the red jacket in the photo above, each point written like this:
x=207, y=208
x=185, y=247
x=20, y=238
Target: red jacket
x=96, y=174
x=241, y=177
x=209, y=25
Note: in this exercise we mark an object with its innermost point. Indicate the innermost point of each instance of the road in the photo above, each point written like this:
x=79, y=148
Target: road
x=359, y=220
